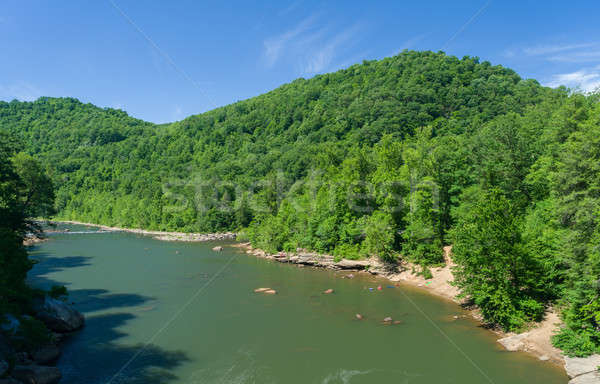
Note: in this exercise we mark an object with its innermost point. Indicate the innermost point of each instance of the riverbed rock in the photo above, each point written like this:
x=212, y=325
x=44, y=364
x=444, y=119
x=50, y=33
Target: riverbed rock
x=9, y=380
x=359, y=316
x=36, y=374
x=577, y=366
x=588, y=378
x=5, y=349
x=328, y=291
x=387, y=320
x=9, y=324
x=514, y=342
x=217, y=249
x=58, y=315
x=46, y=354
x=271, y=291
x=352, y=264
x=3, y=367
x=260, y=290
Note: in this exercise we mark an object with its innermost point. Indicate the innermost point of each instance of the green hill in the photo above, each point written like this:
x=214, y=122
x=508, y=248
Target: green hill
x=393, y=158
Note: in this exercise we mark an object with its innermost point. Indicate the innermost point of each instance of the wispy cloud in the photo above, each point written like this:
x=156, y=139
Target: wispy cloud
x=310, y=47
x=19, y=91
x=410, y=43
x=276, y=45
x=567, y=52
x=585, y=80
x=321, y=58
x=555, y=48
x=578, y=57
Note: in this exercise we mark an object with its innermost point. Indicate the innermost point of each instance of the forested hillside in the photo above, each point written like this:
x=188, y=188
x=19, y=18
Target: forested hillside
x=392, y=158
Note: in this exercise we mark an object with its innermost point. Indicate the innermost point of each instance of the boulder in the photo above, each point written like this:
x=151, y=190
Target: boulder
x=46, y=354
x=9, y=380
x=217, y=249
x=359, y=316
x=9, y=324
x=387, y=320
x=514, y=342
x=260, y=290
x=36, y=374
x=588, y=378
x=271, y=291
x=58, y=315
x=576, y=366
x=3, y=367
x=5, y=349
x=352, y=264
x=328, y=291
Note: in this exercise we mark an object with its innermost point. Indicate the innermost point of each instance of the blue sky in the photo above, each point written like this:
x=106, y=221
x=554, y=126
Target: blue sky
x=163, y=61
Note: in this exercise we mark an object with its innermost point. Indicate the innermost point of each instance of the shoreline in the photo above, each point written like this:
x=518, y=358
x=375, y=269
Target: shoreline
x=159, y=235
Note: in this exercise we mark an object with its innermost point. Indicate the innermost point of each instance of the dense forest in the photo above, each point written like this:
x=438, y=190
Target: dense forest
x=392, y=158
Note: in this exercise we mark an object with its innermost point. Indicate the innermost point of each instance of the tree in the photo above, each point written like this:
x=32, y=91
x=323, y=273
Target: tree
x=492, y=268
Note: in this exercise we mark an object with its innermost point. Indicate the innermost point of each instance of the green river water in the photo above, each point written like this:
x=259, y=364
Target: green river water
x=161, y=312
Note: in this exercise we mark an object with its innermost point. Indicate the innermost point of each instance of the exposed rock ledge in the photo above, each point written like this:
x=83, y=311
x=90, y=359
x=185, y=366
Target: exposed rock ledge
x=583, y=370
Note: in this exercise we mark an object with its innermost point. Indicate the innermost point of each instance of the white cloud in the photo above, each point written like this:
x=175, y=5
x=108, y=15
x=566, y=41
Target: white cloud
x=585, y=80
x=275, y=46
x=411, y=43
x=177, y=113
x=309, y=47
x=577, y=57
x=19, y=91
x=555, y=48
x=322, y=56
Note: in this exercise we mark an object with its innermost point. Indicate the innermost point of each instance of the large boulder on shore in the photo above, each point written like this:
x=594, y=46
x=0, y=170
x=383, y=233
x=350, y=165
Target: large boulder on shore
x=588, y=378
x=9, y=380
x=58, y=315
x=3, y=367
x=5, y=349
x=36, y=374
x=577, y=366
x=352, y=264
x=9, y=324
x=46, y=354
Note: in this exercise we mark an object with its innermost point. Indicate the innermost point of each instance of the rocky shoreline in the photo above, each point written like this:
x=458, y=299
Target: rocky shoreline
x=35, y=364
x=536, y=341
x=163, y=236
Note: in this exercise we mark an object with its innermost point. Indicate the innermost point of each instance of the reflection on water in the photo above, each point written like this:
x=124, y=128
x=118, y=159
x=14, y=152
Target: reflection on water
x=149, y=322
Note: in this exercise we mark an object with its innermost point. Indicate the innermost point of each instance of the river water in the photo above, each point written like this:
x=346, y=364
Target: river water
x=161, y=312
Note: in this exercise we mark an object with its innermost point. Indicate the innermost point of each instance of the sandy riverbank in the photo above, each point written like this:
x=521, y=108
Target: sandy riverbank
x=536, y=341
x=159, y=235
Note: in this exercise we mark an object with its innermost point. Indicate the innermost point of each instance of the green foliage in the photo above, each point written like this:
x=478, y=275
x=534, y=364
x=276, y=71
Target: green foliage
x=32, y=334
x=57, y=291
x=493, y=268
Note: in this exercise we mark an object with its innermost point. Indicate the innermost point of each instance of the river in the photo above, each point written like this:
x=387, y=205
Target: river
x=165, y=312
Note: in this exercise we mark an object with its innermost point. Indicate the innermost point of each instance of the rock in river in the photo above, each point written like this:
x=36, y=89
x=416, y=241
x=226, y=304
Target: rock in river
x=36, y=374
x=58, y=315
x=217, y=249
x=328, y=291
x=46, y=354
x=3, y=367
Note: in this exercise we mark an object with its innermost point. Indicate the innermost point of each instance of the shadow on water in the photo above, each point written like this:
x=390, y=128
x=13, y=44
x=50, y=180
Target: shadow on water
x=94, y=354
